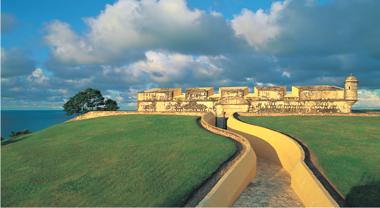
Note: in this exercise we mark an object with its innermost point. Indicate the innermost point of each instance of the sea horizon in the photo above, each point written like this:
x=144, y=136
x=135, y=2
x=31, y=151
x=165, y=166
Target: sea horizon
x=32, y=120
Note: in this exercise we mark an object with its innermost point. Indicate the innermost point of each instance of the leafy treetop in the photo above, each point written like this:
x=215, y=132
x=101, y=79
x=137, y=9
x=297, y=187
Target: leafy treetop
x=89, y=100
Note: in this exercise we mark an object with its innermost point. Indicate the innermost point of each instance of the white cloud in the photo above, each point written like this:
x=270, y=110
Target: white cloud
x=79, y=83
x=260, y=26
x=114, y=94
x=260, y=84
x=68, y=46
x=126, y=27
x=163, y=67
x=286, y=74
x=166, y=67
x=368, y=99
x=38, y=77
x=253, y=81
x=63, y=91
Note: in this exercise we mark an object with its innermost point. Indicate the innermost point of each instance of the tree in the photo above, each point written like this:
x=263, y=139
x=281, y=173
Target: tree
x=111, y=105
x=88, y=100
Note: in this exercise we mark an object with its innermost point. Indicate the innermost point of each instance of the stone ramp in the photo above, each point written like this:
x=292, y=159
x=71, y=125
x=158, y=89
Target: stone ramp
x=270, y=188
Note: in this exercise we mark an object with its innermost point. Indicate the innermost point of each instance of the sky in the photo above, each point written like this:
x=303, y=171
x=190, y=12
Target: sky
x=50, y=50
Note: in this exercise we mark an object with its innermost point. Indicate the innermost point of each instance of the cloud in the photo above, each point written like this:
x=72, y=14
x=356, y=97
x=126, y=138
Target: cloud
x=257, y=28
x=79, y=83
x=38, y=77
x=158, y=69
x=128, y=33
x=286, y=74
x=308, y=27
x=15, y=62
x=69, y=47
x=114, y=94
x=317, y=40
x=164, y=67
x=338, y=28
x=368, y=99
x=125, y=30
x=167, y=68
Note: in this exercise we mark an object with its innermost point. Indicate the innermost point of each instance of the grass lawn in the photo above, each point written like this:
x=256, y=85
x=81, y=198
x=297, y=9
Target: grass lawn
x=135, y=160
x=347, y=148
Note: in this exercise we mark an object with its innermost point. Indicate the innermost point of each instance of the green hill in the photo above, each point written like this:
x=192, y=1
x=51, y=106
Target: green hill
x=136, y=160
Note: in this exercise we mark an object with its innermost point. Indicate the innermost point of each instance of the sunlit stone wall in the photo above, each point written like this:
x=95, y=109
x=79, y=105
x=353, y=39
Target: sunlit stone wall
x=272, y=99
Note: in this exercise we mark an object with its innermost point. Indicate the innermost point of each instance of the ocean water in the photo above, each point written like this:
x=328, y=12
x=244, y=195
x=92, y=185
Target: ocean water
x=33, y=120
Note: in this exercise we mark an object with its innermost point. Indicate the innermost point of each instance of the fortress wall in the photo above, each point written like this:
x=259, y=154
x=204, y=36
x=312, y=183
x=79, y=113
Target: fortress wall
x=154, y=96
x=161, y=94
x=173, y=106
x=252, y=106
x=272, y=99
x=275, y=95
x=229, y=109
x=289, y=154
x=322, y=95
x=198, y=93
x=227, y=93
x=309, y=106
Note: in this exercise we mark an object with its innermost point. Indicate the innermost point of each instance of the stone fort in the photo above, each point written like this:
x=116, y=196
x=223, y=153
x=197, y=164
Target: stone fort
x=271, y=99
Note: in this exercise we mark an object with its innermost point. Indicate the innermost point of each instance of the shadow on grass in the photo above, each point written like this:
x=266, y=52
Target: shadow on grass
x=14, y=140
x=367, y=195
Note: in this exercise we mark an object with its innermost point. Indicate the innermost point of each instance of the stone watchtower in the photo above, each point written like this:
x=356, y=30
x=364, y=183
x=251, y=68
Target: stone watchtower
x=351, y=89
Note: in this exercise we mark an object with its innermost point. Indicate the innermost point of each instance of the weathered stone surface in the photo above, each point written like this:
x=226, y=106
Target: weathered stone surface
x=199, y=94
x=273, y=99
x=270, y=188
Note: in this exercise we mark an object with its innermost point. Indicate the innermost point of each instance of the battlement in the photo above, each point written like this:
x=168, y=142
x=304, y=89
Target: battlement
x=302, y=99
x=159, y=94
x=202, y=93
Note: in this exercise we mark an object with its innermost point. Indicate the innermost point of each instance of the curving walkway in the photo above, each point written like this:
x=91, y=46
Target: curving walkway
x=276, y=146
x=270, y=188
x=256, y=183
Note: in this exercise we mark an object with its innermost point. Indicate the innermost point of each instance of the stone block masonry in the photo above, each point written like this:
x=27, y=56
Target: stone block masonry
x=273, y=99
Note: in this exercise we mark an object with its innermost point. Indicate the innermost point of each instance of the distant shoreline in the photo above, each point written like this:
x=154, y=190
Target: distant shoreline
x=365, y=110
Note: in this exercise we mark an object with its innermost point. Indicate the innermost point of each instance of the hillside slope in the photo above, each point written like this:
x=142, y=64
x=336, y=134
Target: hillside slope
x=136, y=160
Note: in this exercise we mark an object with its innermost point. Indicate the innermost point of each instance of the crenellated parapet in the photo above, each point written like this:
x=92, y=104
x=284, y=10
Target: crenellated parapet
x=199, y=94
x=269, y=99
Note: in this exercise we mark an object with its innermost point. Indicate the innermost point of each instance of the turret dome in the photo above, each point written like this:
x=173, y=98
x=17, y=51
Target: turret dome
x=351, y=78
